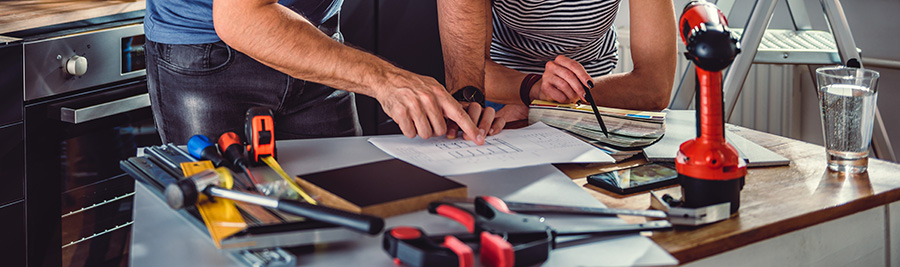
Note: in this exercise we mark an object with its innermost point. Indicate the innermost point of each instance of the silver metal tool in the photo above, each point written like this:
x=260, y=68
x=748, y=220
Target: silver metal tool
x=691, y=216
x=187, y=192
x=275, y=257
x=523, y=207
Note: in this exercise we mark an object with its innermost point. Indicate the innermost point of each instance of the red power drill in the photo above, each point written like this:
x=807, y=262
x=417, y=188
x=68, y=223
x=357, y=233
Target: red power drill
x=710, y=170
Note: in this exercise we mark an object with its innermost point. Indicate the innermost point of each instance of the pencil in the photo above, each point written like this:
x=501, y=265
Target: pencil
x=590, y=99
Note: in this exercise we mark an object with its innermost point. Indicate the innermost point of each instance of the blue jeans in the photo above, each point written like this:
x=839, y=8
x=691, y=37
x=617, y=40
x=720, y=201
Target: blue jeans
x=207, y=88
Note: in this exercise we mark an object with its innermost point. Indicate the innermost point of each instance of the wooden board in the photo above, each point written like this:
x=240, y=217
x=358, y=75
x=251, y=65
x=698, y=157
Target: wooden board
x=774, y=201
x=384, y=188
x=28, y=14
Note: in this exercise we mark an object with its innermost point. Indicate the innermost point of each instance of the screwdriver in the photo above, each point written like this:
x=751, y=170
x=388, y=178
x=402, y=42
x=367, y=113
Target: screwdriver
x=200, y=147
x=233, y=150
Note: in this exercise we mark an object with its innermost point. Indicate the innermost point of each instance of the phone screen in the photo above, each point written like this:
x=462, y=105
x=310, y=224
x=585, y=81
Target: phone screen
x=644, y=177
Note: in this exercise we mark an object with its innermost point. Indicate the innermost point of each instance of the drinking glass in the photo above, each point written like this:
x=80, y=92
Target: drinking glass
x=847, y=99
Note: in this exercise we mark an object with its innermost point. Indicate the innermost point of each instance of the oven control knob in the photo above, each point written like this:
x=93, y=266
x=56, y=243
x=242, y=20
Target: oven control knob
x=76, y=65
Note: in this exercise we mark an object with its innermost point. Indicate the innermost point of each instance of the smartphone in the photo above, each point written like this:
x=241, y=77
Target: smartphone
x=636, y=179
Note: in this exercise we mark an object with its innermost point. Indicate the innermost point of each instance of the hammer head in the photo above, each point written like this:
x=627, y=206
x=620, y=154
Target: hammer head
x=186, y=192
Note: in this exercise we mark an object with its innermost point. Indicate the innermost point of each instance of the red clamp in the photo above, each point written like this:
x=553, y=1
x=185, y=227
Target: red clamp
x=409, y=245
x=504, y=238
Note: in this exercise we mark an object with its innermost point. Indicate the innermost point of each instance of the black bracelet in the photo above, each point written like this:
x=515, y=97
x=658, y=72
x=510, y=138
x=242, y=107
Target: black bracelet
x=525, y=88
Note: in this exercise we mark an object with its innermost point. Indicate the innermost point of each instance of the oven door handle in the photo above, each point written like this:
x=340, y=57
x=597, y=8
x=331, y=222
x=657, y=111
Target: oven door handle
x=80, y=115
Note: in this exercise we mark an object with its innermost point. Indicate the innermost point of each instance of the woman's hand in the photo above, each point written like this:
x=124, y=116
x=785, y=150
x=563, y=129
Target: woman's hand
x=507, y=114
x=564, y=81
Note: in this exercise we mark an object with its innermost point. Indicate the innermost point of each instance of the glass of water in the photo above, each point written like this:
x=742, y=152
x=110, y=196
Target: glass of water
x=847, y=99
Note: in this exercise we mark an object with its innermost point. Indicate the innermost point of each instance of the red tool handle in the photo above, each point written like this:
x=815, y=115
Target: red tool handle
x=497, y=203
x=496, y=251
x=228, y=139
x=464, y=253
x=231, y=147
x=405, y=232
x=455, y=213
x=411, y=247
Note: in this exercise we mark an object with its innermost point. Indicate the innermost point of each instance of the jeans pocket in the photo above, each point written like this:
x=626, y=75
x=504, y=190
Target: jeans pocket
x=195, y=59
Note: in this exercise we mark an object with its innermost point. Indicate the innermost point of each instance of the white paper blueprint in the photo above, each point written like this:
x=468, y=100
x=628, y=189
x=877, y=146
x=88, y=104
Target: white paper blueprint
x=532, y=145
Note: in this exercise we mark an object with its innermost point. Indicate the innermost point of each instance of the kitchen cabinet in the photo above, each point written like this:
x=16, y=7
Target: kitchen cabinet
x=12, y=163
x=11, y=84
x=12, y=231
x=12, y=140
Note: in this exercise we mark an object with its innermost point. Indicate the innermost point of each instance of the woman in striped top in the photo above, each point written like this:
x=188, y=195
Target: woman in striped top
x=569, y=45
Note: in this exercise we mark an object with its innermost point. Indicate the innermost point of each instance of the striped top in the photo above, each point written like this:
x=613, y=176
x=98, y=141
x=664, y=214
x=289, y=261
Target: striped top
x=528, y=33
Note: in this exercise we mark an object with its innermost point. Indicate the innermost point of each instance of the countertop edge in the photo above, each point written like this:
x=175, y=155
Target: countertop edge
x=789, y=225
x=88, y=13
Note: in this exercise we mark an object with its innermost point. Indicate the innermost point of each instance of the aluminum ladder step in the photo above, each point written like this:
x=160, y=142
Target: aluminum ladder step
x=779, y=46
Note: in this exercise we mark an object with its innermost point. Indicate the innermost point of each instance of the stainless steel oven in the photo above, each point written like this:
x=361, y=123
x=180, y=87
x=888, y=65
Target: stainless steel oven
x=85, y=108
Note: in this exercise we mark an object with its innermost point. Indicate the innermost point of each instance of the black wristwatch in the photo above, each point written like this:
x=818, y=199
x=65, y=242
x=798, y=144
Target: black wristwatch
x=470, y=94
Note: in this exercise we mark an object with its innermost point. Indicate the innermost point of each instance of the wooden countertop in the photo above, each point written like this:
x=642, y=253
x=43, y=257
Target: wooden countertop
x=774, y=201
x=19, y=15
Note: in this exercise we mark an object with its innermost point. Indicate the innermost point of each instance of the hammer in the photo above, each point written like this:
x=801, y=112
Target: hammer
x=187, y=193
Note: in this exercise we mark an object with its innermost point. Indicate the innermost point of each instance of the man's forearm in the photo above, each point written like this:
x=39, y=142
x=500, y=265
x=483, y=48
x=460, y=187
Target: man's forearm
x=462, y=31
x=287, y=42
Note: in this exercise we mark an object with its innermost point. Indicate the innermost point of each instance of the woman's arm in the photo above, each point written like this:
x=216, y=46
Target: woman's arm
x=653, y=51
x=647, y=87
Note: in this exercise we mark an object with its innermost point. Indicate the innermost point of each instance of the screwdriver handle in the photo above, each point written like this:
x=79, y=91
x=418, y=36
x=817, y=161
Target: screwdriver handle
x=200, y=147
x=233, y=150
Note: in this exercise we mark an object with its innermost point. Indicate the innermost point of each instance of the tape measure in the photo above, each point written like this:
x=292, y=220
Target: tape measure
x=260, y=131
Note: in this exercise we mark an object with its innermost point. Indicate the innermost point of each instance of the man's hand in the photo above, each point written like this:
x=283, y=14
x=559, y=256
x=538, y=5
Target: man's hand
x=476, y=113
x=490, y=122
x=563, y=81
x=419, y=104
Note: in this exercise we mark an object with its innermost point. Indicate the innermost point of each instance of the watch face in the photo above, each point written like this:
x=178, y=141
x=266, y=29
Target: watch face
x=470, y=94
